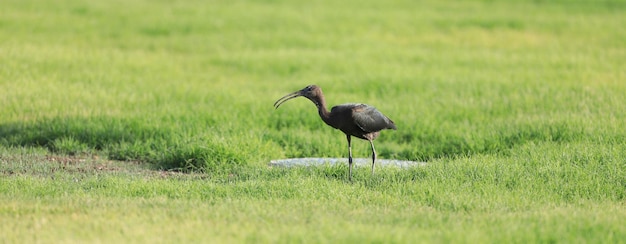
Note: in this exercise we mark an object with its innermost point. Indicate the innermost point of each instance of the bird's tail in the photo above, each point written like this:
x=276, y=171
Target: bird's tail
x=391, y=125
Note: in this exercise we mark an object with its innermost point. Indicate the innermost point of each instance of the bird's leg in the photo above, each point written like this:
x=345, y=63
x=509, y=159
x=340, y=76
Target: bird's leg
x=373, y=155
x=349, y=157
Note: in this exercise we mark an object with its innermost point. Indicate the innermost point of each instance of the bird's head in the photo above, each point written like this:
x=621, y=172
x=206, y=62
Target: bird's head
x=312, y=92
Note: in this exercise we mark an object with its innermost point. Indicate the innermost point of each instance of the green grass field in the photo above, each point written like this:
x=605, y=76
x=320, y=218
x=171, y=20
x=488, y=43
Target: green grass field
x=152, y=121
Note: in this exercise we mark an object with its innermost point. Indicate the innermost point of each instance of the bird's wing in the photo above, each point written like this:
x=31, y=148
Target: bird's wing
x=369, y=119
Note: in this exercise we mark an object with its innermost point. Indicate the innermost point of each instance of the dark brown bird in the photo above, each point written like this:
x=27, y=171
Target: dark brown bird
x=353, y=119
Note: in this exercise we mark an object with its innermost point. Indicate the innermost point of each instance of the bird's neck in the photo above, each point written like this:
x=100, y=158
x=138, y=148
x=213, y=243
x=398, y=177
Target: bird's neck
x=320, y=102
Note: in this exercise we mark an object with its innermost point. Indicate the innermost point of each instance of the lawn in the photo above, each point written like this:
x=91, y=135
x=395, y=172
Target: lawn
x=152, y=121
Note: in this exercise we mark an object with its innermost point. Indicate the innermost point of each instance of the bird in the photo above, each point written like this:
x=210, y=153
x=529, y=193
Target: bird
x=353, y=119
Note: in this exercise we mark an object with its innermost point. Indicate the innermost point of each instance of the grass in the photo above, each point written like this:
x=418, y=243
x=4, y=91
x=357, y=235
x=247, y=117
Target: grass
x=153, y=122
x=96, y=200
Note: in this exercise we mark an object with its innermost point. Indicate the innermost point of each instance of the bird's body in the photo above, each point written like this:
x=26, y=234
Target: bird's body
x=359, y=120
x=353, y=119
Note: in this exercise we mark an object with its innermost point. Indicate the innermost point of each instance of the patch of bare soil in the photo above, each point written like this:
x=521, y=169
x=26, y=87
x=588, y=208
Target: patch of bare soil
x=43, y=165
x=84, y=164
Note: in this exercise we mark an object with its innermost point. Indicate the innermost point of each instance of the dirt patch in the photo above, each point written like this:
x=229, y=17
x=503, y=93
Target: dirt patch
x=84, y=163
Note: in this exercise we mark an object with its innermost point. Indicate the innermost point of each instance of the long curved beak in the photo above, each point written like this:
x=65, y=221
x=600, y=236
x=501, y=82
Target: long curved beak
x=286, y=98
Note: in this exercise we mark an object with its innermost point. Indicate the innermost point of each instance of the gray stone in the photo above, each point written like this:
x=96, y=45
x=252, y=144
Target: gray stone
x=358, y=162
